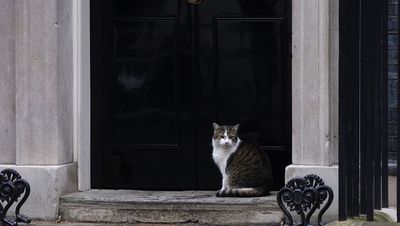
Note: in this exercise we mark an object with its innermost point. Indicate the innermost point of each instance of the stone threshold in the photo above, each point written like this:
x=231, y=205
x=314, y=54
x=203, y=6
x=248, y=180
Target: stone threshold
x=167, y=207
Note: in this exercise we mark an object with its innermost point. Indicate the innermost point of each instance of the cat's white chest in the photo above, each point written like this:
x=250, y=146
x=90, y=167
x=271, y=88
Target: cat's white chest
x=220, y=156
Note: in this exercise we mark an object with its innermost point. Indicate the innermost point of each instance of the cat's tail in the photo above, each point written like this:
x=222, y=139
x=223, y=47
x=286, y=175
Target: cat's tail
x=243, y=192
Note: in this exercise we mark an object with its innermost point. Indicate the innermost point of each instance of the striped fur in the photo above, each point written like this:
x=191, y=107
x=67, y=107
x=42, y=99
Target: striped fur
x=246, y=171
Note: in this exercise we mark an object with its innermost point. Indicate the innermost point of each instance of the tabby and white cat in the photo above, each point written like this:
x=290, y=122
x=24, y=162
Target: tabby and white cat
x=245, y=169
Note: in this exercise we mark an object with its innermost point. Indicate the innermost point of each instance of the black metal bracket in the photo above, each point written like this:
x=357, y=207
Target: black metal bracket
x=13, y=187
x=304, y=195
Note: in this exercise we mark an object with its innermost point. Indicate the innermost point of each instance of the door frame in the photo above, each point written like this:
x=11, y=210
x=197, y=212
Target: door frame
x=300, y=22
x=81, y=91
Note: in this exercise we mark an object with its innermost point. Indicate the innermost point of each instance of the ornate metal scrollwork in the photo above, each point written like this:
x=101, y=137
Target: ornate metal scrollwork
x=304, y=195
x=12, y=186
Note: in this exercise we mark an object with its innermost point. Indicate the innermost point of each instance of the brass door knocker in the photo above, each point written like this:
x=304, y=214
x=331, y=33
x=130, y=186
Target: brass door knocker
x=194, y=2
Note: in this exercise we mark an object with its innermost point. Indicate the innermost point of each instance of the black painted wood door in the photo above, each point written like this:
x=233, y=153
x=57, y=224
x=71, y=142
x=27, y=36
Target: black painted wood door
x=164, y=70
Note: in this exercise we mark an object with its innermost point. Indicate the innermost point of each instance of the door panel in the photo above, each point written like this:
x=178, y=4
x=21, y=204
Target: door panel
x=146, y=89
x=140, y=125
x=248, y=89
x=163, y=71
x=148, y=113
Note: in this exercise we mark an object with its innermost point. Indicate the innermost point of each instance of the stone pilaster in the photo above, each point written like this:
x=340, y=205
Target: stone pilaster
x=315, y=50
x=44, y=82
x=7, y=82
x=314, y=82
x=36, y=99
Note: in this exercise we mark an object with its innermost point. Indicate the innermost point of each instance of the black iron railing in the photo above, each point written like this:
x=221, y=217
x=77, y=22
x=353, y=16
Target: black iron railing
x=363, y=156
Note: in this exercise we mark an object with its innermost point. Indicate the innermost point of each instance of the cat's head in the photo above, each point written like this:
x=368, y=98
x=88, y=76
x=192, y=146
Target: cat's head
x=225, y=136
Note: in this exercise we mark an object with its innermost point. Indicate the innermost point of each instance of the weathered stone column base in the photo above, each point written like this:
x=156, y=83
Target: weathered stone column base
x=330, y=175
x=47, y=183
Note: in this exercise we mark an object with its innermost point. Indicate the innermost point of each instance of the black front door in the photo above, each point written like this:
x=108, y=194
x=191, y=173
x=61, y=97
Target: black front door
x=164, y=70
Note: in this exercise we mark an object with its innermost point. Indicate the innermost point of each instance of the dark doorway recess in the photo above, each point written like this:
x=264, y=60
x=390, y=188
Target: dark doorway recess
x=162, y=71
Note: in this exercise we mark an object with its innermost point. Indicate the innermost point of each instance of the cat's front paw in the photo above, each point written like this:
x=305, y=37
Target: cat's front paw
x=218, y=193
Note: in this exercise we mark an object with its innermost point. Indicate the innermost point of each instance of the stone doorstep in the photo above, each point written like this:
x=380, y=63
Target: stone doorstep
x=167, y=207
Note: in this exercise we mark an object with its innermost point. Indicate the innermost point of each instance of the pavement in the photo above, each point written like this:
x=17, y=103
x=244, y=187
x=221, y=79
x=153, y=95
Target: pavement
x=384, y=217
x=362, y=223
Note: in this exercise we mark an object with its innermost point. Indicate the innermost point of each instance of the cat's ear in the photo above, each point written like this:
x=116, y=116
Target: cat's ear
x=236, y=127
x=215, y=126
